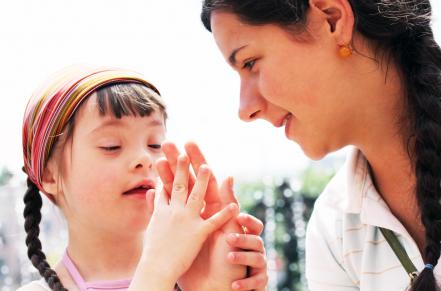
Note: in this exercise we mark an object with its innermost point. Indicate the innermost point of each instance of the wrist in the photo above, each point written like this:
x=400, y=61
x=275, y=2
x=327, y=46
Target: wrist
x=153, y=275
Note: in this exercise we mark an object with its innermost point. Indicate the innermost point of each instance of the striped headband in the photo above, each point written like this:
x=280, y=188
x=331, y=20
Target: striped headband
x=51, y=107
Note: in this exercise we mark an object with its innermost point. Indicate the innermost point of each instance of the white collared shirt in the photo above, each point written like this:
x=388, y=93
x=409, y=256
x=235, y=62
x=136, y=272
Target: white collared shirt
x=345, y=249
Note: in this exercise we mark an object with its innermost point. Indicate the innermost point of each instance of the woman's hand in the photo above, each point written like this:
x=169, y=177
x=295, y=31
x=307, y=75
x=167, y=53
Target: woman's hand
x=251, y=254
x=245, y=251
x=176, y=231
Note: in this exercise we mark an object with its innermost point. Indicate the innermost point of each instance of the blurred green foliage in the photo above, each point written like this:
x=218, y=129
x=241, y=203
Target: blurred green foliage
x=5, y=176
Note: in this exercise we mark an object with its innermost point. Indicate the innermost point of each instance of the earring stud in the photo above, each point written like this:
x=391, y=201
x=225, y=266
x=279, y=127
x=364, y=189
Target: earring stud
x=345, y=51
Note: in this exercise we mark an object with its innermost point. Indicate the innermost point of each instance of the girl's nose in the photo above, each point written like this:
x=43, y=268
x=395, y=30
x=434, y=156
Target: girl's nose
x=143, y=160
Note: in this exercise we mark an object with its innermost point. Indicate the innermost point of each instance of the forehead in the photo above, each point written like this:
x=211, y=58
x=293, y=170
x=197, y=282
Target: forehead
x=228, y=30
x=230, y=33
x=88, y=117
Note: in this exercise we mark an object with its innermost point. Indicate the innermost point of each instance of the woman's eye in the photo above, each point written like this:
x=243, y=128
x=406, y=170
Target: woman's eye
x=110, y=148
x=155, y=146
x=248, y=65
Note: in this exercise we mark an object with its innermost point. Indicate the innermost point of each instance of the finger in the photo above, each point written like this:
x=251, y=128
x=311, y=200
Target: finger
x=220, y=218
x=180, y=184
x=160, y=198
x=226, y=191
x=246, y=242
x=197, y=159
x=171, y=153
x=165, y=174
x=150, y=197
x=196, y=197
x=251, y=259
x=252, y=224
x=258, y=282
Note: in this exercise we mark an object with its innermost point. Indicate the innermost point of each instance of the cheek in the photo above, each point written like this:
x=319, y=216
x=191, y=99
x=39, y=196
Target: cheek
x=289, y=88
x=91, y=174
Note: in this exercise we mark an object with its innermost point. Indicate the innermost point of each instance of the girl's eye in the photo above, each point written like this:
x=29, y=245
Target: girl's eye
x=110, y=148
x=155, y=146
x=248, y=65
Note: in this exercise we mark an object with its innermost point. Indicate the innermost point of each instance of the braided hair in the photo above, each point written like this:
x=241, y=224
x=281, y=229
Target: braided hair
x=32, y=215
x=400, y=31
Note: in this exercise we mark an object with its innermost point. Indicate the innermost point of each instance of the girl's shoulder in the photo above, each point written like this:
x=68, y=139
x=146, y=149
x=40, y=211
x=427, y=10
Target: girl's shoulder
x=37, y=285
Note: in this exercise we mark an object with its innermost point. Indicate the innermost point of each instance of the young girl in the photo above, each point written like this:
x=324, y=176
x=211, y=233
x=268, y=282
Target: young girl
x=91, y=137
x=351, y=72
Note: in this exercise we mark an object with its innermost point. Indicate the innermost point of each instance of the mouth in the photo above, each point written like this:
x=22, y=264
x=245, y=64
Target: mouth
x=286, y=123
x=286, y=119
x=140, y=188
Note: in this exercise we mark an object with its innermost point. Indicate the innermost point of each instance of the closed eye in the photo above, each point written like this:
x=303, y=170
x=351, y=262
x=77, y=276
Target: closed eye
x=155, y=146
x=110, y=148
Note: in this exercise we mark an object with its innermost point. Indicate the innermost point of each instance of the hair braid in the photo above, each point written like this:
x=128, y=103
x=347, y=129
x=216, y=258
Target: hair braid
x=32, y=215
x=420, y=60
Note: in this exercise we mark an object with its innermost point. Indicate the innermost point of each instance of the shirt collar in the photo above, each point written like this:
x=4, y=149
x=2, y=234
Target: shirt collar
x=362, y=197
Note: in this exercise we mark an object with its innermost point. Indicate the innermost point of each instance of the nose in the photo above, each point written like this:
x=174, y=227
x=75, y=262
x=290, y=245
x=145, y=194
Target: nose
x=252, y=103
x=142, y=161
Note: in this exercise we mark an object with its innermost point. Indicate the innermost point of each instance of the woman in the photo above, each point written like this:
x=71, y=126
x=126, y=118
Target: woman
x=349, y=72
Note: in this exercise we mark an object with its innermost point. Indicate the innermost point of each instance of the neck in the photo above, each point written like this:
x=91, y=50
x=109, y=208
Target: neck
x=103, y=256
x=394, y=178
x=381, y=132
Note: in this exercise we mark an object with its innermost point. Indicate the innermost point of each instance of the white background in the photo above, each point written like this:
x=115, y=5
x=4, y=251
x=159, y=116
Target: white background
x=163, y=40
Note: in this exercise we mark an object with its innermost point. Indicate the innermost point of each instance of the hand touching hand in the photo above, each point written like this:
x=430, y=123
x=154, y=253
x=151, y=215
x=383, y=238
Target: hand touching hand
x=176, y=231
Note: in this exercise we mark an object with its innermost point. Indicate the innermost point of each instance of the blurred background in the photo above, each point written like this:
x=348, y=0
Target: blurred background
x=165, y=41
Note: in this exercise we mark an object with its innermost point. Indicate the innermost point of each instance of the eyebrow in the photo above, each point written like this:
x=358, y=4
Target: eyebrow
x=119, y=123
x=232, y=57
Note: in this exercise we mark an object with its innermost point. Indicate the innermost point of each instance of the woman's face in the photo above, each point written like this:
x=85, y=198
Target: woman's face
x=301, y=84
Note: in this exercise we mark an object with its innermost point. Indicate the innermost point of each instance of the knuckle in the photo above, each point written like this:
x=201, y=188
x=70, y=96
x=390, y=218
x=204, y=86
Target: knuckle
x=194, y=197
x=260, y=243
x=260, y=260
x=178, y=187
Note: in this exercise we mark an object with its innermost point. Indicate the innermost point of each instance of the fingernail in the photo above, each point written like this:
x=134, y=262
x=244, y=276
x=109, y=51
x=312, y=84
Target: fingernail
x=236, y=285
x=231, y=182
x=231, y=256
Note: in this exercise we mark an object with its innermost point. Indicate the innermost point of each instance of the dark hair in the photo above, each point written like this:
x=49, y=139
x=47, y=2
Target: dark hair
x=400, y=31
x=118, y=99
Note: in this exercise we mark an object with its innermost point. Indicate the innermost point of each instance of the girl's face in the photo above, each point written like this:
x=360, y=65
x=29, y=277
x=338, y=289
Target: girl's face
x=302, y=85
x=108, y=165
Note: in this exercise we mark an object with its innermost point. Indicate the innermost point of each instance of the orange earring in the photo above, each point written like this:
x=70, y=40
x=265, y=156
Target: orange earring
x=345, y=51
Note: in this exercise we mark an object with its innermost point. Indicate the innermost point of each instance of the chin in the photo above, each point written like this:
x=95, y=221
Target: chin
x=314, y=153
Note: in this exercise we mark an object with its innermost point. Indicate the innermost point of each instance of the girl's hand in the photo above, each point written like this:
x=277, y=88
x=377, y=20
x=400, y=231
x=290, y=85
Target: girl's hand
x=176, y=231
x=252, y=253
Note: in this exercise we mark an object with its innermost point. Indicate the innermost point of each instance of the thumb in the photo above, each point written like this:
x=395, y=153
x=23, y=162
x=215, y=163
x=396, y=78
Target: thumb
x=220, y=218
x=227, y=193
x=150, y=197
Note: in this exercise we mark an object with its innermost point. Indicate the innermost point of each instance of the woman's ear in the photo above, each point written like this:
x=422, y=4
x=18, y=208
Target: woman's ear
x=339, y=17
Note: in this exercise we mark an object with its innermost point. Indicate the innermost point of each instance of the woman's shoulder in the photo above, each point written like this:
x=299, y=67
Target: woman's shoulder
x=37, y=285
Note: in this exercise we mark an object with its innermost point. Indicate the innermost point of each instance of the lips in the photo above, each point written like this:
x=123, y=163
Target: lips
x=286, y=119
x=287, y=123
x=140, y=188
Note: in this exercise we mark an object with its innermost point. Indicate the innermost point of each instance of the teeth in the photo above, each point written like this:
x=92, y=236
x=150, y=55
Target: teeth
x=285, y=120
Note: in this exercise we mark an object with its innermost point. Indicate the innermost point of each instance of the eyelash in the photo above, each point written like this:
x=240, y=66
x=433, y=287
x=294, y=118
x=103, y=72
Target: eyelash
x=110, y=148
x=248, y=65
x=155, y=146
x=115, y=148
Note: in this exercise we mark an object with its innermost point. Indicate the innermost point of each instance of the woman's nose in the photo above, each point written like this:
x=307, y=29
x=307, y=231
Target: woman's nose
x=252, y=104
